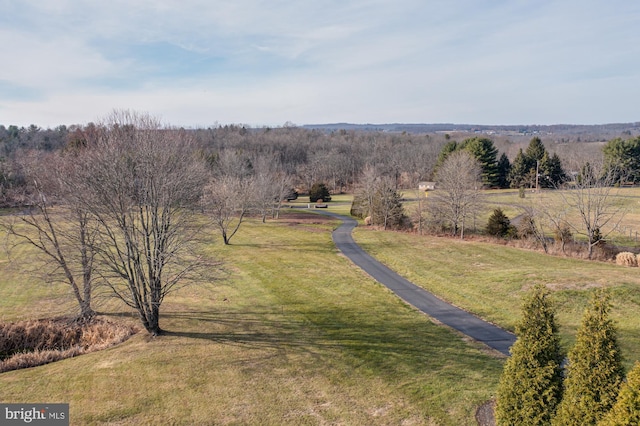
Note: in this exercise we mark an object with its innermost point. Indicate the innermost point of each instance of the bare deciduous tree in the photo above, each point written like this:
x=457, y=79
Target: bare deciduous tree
x=364, y=197
x=227, y=200
x=459, y=183
x=140, y=181
x=388, y=210
x=590, y=196
x=59, y=226
x=271, y=185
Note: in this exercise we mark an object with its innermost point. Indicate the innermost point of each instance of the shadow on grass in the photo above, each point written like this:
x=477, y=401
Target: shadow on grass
x=285, y=247
x=408, y=344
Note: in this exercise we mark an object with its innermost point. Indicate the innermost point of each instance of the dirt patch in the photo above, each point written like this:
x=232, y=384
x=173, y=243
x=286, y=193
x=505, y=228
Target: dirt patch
x=36, y=342
x=485, y=414
x=305, y=221
x=307, y=218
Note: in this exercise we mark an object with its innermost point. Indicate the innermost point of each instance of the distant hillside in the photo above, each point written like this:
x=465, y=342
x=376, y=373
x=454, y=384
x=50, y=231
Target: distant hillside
x=630, y=129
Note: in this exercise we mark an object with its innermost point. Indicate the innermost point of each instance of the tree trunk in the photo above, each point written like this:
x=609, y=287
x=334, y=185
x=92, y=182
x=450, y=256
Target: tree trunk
x=86, y=312
x=151, y=320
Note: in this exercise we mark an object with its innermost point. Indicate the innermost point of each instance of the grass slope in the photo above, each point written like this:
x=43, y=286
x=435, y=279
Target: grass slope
x=294, y=335
x=489, y=280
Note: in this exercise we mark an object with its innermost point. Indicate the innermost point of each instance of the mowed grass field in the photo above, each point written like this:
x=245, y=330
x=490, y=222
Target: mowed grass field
x=622, y=230
x=293, y=334
x=490, y=280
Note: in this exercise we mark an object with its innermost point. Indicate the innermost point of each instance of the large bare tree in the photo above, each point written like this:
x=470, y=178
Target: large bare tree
x=141, y=180
x=591, y=197
x=59, y=225
x=459, y=182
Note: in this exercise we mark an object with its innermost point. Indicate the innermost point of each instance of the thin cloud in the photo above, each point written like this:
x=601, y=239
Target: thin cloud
x=268, y=62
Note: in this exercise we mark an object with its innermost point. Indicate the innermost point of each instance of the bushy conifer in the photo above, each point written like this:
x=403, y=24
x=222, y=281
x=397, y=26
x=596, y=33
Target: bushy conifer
x=498, y=224
x=595, y=371
x=319, y=191
x=531, y=384
x=626, y=411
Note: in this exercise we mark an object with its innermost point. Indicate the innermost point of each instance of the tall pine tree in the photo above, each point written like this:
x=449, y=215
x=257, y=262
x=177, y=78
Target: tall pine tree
x=623, y=157
x=504, y=167
x=595, y=371
x=483, y=150
x=486, y=153
x=535, y=151
x=551, y=171
x=531, y=384
x=535, y=165
x=520, y=174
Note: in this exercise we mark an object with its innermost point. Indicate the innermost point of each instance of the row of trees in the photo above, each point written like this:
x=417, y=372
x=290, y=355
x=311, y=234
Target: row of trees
x=338, y=158
x=464, y=169
x=623, y=155
x=308, y=156
x=458, y=202
x=533, y=167
x=536, y=389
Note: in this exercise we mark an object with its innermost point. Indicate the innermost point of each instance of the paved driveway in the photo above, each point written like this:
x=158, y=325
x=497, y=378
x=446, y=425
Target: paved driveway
x=456, y=318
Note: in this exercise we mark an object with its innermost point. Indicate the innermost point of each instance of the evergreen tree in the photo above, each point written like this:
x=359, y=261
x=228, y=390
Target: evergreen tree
x=551, y=171
x=504, y=167
x=520, y=174
x=626, y=411
x=623, y=156
x=319, y=191
x=535, y=151
x=595, y=371
x=498, y=224
x=448, y=148
x=535, y=165
x=483, y=150
x=531, y=384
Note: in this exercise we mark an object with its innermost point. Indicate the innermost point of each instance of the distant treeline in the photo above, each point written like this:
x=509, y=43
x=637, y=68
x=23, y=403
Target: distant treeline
x=332, y=154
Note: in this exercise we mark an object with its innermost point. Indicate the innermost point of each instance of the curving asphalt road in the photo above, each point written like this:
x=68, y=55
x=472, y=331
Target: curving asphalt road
x=456, y=318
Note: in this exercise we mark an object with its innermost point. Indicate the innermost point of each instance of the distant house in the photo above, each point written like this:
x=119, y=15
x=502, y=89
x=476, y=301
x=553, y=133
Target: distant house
x=426, y=186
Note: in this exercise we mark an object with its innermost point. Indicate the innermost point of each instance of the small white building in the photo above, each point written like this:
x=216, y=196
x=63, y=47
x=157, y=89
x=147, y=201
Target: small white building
x=426, y=186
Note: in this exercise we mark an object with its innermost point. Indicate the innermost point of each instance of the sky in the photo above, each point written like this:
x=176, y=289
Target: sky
x=201, y=63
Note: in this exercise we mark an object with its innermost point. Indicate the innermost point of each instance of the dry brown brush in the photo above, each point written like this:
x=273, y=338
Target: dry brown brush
x=626, y=258
x=37, y=342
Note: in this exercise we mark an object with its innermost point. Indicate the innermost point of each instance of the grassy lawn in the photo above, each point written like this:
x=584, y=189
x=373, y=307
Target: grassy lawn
x=490, y=279
x=626, y=232
x=294, y=334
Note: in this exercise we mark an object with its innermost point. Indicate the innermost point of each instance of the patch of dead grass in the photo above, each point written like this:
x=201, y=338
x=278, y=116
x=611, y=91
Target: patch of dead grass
x=36, y=342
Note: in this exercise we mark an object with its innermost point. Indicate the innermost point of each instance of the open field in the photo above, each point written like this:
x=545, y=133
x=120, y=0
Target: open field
x=626, y=233
x=294, y=335
x=489, y=280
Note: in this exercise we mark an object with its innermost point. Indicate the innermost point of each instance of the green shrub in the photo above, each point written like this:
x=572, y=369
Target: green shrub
x=595, y=371
x=319, y=191
x=531, y=383
x=498, y=224
x=626, y=411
